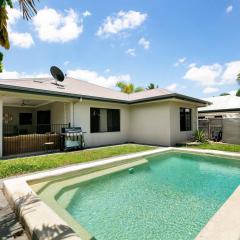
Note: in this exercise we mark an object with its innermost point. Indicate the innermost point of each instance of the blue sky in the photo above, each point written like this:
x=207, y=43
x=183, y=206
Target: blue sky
x=191, y=47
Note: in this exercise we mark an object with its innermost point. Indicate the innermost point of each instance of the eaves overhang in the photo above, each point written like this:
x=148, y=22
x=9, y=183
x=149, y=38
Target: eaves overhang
x=10, y=88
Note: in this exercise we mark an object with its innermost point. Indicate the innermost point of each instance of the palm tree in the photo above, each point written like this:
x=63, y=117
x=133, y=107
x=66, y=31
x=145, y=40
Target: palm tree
x=224, y=94
x=28, y=10
x=238, y=93
x=128, y=87
x=238, y=78
x=151, y=86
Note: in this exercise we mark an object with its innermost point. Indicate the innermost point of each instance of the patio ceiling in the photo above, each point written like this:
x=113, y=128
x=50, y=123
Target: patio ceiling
x=23, y=102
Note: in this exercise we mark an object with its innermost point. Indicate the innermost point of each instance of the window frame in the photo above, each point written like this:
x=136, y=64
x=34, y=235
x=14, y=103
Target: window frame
x=185, y=127
x=96, y=129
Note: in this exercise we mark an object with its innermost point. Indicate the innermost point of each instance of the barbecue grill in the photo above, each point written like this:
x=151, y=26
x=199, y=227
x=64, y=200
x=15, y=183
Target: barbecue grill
x=72, y=138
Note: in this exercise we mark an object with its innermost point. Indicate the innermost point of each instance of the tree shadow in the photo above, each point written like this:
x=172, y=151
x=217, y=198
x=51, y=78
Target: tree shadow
x=55, y=232
x=27, y=204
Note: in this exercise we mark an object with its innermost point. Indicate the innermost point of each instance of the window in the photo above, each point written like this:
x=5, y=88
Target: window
x=104, y=120
x=25, y=118
x=185, y=119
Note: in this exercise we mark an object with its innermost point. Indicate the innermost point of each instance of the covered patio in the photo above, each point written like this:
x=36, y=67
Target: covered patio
x=33, y=123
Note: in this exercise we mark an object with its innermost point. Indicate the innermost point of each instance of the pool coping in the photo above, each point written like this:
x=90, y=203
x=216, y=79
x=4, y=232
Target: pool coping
x=37, y=217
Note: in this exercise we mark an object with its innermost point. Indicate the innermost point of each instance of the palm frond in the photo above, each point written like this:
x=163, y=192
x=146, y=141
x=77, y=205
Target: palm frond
x=238, y=78
x=28, y=8
x=139, y=89
x=238, y=93
x=4, y=39
x=121, y=85
x=151, y=86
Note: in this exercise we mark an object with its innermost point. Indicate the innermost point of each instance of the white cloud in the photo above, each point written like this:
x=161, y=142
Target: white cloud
x=210, y=90
x=120, y=22
x=172, y=87
x=131, y=52
x=13, y=15
x=94, y=77
x=53, y=26
x=108, y=70
x=229, y=9
x=191, y=65
x=15, y=75
x=144, y=43
x=180, y=61
x=232, y=69
x=215, y=74
x=205, y=75
x=233, y=92
x=23, y=40
x=19, y=39
x=87, y=13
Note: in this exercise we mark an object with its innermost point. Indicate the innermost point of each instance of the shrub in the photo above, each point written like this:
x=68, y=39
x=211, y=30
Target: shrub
x=200, y=136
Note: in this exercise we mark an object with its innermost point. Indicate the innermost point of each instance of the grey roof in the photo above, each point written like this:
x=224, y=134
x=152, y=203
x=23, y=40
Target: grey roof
x=222, y=103
x=81, y=89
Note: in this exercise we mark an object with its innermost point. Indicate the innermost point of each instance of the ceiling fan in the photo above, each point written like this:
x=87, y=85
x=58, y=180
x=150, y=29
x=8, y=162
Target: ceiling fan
x=24, y=104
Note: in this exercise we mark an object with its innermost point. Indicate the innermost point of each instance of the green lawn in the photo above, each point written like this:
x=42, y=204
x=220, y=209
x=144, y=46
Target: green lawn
x=32, y=164
x=218, y=146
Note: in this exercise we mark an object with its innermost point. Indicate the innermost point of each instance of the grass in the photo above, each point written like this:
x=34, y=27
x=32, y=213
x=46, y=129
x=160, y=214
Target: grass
x=218, y=146
x=37, y=163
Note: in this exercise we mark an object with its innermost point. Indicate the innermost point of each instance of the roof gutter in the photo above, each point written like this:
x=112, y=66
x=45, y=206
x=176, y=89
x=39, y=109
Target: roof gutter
x=220, y=110
x=170, y=96
x=77, y=96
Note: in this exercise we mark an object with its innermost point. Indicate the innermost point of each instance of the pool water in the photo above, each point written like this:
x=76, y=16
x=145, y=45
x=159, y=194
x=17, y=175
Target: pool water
x=172, y=197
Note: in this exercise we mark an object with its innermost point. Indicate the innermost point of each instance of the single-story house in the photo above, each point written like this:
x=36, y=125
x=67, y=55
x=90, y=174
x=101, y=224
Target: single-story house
x=222, y=107
x=34, y=111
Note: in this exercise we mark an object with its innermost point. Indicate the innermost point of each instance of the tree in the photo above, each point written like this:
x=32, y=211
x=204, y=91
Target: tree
x=151, y=86
x=238, y=93
x=224, y=94
x=128, y=87
x=238, y=78
x=28, y=10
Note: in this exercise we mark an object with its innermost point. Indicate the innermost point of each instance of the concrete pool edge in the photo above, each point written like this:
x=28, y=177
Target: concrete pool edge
x=40, y=217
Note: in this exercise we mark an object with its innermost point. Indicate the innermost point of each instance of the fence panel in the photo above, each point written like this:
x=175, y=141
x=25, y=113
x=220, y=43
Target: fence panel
x=231, y=130
x=30, y=139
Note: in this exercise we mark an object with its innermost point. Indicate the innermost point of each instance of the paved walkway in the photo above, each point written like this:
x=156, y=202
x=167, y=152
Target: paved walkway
x=10, y=228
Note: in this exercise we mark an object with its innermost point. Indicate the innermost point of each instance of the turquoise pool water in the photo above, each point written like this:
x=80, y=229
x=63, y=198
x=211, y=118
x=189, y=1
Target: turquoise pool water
x=172, y=197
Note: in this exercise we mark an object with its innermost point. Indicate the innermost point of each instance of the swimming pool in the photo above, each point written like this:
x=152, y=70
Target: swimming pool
x=166, y=196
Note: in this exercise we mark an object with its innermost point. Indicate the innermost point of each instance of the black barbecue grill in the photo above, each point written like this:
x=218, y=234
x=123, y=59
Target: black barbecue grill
x=72, y=138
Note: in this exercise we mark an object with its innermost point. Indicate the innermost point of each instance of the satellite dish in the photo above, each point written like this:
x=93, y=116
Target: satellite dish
x=57, y=74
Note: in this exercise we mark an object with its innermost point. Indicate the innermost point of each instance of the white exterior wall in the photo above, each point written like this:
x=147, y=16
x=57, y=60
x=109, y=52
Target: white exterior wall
x=82, y=119
x=176, y=135
x=150, y=123
x=60, y=112
x=159, y=123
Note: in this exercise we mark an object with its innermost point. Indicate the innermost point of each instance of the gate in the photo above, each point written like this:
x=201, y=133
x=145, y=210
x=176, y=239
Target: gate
x=212, y=127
